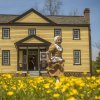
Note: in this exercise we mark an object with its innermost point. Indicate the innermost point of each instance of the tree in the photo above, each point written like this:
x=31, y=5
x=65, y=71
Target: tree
x=52, y=7
x=98, y=62
x=97, y=45
x=98, y=58
x=74, y=12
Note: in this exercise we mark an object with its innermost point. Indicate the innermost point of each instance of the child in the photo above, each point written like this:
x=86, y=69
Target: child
x=55, y=60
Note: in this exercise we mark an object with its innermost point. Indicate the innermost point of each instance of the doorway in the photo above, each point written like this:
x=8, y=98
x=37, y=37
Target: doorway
x=33, y=60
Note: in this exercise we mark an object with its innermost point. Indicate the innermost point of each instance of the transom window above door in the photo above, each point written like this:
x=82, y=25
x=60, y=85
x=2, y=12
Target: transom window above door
x=31, y=31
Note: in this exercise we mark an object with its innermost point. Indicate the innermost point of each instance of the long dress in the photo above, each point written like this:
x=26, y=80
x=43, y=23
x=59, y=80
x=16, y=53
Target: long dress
x=58, y=68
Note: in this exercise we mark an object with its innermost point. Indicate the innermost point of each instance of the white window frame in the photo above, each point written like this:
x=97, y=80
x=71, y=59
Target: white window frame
x=79, y=52
x=41, y=58
x=5, y=57
x=76, y=32
x=3, y=33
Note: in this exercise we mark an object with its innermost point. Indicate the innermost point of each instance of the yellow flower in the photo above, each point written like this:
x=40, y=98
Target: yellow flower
x=93, y=78
x=88, y=78
x=82, y=84
x=64, y=87
x=97, y=97
x=84, y=73
x=50, y=81
x=56, y=95
x=10, y=93
x=20, y=72
x=30, y=81
x=46, y=86
x=98, y=71
x=19, y=81
x=71, y=98
x=57, y=85
x=21, y=86
x=13, y=87
x=62, y=78
x=5, y=87
x=48, y=91
x=97, y=81
x=74, y=91
x=9, y=76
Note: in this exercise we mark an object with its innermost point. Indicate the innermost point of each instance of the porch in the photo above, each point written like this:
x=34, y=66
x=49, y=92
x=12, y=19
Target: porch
x=32, y=57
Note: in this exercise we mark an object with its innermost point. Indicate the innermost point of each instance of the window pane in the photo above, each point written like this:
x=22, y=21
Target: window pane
x=6, y=57
x=76, y=34
x=76, y=54
x=32, y=31
x=6, y=33
x=77, y=57
x=76, y=60
x=57, y=32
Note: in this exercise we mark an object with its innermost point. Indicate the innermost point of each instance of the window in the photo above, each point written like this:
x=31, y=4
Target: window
x=32, y=31
x=76, y=34
x=57, y=32
x=77, y=57
x=6, y=33
x=6, y=57
x=43, y=56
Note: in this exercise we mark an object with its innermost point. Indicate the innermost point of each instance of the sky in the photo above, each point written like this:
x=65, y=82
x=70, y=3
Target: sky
x=18, y=7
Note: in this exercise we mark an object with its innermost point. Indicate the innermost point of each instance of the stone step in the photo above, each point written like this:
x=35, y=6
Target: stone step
x=34, y=73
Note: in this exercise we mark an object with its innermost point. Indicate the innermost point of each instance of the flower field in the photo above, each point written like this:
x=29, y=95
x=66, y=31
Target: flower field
x=46, y=88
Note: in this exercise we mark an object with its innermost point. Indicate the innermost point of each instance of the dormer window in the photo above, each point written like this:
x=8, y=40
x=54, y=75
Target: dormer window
x=5, y=33
x=32, y=31
x=76, y=34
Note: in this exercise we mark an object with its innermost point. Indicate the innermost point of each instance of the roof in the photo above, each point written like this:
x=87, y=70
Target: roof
x=4, y=18
x=21, y=42
x=30, y=11
x=68, y=19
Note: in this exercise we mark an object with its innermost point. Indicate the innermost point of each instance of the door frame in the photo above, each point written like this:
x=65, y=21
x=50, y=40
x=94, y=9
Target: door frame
x=27, y=49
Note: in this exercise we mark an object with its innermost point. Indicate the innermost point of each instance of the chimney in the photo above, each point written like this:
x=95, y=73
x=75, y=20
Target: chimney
x=87, y=14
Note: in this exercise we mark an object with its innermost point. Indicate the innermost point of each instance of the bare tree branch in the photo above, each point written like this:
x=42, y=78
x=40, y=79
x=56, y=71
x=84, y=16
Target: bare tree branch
x=97, y=45
x=52, y=7
x=75, y=12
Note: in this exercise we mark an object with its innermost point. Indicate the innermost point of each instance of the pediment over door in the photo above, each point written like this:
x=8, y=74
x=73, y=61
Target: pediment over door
x=33, y=40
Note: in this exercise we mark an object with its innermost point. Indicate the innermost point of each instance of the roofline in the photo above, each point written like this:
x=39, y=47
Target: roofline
x=8, y=15
x=20, y=42
x=43, y=24
x=62, y=16
x=44, y=15
x=31, y=10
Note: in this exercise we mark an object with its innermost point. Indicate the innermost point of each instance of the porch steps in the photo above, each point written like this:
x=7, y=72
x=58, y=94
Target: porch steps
x=34, y=73
x=38, y=73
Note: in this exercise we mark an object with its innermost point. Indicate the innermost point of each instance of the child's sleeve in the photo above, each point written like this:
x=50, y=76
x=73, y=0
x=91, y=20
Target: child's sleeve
x=51, y=49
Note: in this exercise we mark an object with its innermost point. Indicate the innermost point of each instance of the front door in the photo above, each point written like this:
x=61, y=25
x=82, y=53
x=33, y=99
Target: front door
x=33, y=60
